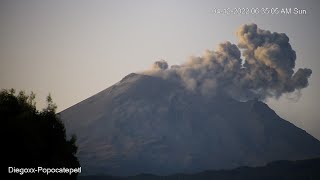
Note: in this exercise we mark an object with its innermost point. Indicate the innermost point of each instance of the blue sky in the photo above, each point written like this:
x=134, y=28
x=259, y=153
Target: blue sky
x=76, y=48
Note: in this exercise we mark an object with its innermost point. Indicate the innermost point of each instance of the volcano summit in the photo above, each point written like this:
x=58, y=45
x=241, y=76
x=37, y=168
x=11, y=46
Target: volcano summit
x=145, y=124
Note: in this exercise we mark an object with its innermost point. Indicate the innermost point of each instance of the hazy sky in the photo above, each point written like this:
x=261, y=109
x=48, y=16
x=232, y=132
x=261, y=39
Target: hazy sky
x=74, y=49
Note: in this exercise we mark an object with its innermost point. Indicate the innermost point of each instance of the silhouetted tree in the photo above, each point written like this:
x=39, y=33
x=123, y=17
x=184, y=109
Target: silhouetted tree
x=34, y=138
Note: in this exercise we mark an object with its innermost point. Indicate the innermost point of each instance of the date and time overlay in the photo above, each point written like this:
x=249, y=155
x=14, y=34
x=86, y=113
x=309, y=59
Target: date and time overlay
x=259, y=11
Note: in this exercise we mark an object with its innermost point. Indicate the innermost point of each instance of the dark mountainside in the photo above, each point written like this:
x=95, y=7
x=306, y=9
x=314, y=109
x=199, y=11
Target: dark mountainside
x=279, y=170
x=145, y=124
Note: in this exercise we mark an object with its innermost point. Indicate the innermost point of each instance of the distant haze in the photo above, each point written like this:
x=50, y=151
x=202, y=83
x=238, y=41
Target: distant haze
x=76, y=48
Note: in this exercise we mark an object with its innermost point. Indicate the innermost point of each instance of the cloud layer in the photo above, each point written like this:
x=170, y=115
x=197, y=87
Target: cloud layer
x=266, y=70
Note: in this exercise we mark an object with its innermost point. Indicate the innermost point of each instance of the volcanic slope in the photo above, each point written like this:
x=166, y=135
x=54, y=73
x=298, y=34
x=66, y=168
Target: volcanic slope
x=145, y=124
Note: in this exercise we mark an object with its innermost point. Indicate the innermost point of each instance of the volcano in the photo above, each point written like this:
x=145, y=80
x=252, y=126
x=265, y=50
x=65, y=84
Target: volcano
x=146, y=124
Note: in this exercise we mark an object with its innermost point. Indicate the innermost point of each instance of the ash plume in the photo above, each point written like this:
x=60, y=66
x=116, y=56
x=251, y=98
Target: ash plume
x=266, y=70
x=160, y=65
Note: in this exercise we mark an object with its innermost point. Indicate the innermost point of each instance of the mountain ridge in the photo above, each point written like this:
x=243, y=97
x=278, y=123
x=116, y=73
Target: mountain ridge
x=146, y=124
x=280, y=170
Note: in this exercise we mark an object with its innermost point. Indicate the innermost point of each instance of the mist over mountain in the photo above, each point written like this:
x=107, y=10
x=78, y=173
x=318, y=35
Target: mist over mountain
x=146, y=124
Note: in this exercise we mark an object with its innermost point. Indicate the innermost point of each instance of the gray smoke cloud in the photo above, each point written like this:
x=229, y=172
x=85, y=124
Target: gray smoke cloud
x=160, y=65
x=266, y=70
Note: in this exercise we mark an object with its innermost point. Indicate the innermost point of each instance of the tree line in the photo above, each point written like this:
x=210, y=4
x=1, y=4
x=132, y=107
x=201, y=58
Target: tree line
x=34, y=138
